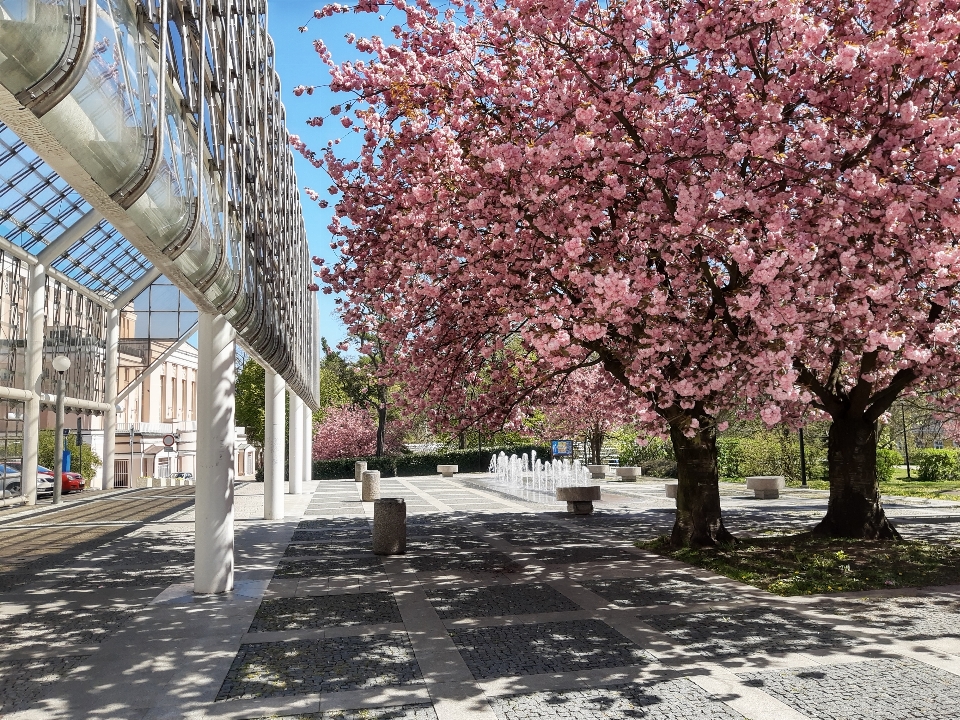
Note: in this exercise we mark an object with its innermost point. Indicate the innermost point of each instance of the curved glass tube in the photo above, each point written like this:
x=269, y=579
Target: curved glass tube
x=34, y=34
x=102, y=122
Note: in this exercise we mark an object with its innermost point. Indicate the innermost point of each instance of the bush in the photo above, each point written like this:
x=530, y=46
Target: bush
x=632, y=454
x=887, y=460
x=663, y=468
x=938, y=466
x=421, y=463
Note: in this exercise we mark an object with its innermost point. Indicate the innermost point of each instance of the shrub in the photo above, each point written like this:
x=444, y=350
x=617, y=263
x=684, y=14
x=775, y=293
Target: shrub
x=887, y=460
x=421, y=463
x=938, y=466
x=664, y=468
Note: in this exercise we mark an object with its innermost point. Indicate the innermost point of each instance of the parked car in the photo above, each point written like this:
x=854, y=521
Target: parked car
x=70, y=482
x=182, y=476
x=9, y=482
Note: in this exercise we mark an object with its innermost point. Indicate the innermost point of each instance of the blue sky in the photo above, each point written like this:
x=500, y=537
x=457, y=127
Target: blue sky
x=298, y=64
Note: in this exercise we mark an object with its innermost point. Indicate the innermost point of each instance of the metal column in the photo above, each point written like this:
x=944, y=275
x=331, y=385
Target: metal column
x=273, y=445
x=216, y=386
x=36, y=307
x=307, y=444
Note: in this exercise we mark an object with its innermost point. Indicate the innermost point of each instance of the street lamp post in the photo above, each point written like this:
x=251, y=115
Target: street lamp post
x=61, y=364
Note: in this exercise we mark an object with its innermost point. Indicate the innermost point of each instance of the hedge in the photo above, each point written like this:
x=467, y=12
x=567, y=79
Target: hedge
x=421, y=463
x=938, y=465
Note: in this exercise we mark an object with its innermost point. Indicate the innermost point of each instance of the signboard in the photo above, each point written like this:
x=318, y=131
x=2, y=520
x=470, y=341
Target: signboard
x=562, y=448
x=169, y=440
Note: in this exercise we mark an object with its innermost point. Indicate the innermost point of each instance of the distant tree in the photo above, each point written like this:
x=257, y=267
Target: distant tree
x=88, y=460
x=350, y=431
x=250, y=403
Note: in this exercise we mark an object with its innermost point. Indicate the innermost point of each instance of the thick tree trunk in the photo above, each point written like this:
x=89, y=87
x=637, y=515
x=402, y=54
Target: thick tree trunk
x=596, y=444
x=698, y=520
x=854, y=510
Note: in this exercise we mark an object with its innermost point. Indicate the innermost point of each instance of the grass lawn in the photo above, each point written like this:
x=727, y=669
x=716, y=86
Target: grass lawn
x=807, y=564
x=901, y=486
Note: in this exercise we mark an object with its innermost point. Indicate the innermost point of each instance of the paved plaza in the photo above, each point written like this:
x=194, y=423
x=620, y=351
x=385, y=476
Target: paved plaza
x=504, y=607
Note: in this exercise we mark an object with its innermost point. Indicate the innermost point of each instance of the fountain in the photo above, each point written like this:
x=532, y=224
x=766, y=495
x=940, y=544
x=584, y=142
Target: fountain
x=537, y=480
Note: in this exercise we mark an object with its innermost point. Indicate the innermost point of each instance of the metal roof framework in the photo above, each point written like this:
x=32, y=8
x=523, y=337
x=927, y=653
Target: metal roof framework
x=139, y=136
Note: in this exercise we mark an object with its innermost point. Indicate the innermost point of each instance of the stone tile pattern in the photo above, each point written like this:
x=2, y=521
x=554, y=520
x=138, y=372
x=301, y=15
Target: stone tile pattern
x=747, y=632
x=419, y=711
x=25, y=681
x=580, y=554
x=356, y=547
x=881, y=689
x=909, y=618
x=61, y=627
x=658, y=590
x=326, y=566
x=670, y=700
x=156, y=577
x=453, y=603
x=328, y=665
x=321, y=611
x=537, y=648
x=491, y=561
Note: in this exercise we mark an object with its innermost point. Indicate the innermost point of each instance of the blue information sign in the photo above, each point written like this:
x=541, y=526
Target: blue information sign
x=562, y=448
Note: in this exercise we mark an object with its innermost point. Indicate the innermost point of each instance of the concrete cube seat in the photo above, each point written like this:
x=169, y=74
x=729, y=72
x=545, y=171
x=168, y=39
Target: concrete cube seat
x=448, y=470
x=670, y=488
x=766, y=487
x=628, y=473
x=579, y=499
x=598, y=472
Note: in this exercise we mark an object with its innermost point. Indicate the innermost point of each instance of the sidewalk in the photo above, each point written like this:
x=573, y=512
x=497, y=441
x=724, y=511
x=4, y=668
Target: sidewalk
x=501, y=608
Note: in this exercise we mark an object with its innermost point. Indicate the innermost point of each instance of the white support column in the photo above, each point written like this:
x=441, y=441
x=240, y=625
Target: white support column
x=36, y=309
x=110, y=398
x=295, y=453
x=273, y=445
x=307, y=443
x=216, y=386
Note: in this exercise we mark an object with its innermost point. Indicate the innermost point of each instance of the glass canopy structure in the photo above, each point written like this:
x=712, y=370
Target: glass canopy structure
x=142, y=139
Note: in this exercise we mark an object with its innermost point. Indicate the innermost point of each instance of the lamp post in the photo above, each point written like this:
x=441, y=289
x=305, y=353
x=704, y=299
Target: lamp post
x=61, y=364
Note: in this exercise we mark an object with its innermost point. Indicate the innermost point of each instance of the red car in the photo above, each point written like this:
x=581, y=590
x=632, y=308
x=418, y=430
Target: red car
x=69, y=481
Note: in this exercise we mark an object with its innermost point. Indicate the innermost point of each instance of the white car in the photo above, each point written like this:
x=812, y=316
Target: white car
x=12, y=485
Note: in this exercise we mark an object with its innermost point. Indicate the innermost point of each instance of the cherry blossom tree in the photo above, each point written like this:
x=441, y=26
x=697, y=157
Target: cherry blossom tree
x=589, y=404
x=729, y=204
x=351, y=431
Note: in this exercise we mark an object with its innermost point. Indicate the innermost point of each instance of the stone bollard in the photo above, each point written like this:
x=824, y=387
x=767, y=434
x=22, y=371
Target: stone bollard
x=389, y=526
x=359, y=467
x=670, y=487
x=370, y=489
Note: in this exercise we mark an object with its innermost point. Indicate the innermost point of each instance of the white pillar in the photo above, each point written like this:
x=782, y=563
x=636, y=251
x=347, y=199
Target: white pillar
x=295, y=453
x=273, y=445
x=216, y=385
x=307, y=443
x=110, y=398
x=33, y=372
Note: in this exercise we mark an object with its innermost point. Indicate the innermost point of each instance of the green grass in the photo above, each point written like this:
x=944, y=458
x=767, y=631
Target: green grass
x=808, y=564
x=899, y=486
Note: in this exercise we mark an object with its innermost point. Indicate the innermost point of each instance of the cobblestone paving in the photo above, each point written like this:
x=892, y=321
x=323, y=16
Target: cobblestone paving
x=888, y=689
x=79, y=626
x=320, y=611
x=581, y=554
x=908, y=618
x=747, y=632
x=670, y=700
x=452, y=603
x=159, y=577
x=356, y=535
x=658, y=590
x=420, y=711
x=329, y=665
x=541, y=537
x=323, y=567
x=537, y=648
x=24, y=681
x=333, y=548
x=491, y=561
x=334, y=525
x=439, y=543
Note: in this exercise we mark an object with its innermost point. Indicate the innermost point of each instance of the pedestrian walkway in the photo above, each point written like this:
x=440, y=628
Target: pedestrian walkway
x=502, y=608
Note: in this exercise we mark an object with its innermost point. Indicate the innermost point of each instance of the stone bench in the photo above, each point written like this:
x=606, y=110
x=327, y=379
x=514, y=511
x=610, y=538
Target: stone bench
x=448, y=470
x=671, y=488
x=579, y=499
x=598, y=472
x=629, y=473
x=766, y=487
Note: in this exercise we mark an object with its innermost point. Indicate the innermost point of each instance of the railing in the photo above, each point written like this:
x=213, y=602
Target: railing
x=157, y=428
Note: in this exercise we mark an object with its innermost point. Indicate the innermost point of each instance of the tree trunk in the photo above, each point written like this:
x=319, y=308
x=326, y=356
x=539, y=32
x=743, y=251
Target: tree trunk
x=463, y=440
x=698, y=520
x=596, y=444
x=381, y=428
x=854, y=510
